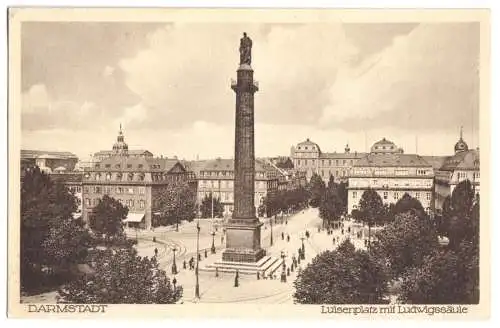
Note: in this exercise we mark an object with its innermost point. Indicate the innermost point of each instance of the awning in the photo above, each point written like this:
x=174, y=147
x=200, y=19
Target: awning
x=134, y=217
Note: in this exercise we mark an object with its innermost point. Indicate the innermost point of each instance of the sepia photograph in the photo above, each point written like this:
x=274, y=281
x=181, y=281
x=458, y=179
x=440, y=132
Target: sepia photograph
x=321, y=162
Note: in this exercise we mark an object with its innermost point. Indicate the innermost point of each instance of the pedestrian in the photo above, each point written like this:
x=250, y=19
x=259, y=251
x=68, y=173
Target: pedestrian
x=236, y=279
x=156, y=251
x=184, y=264
x=349, y=229
x=338, y=239
x=258, y=275
x=334, y=240
x=288, y=238
x=287, y=271
x=342, y=231
x=282, y=236
x=206, y=255
x=199, y=257
x=216, y=271
x=154, y=239
x=221, y=240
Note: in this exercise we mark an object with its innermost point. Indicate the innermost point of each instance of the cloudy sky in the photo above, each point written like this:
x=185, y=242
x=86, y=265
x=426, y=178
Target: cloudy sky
x=169, y=85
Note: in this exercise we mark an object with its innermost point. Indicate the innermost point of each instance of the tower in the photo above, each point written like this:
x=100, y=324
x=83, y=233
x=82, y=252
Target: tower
x=243, y=229
x=461, y=145
x=120, y=147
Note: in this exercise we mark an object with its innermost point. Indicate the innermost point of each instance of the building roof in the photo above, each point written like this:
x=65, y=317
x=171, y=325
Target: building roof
x=308, y=142
x=463, y=160
x=70, y=177
x=127, y=163
x=385, y=146
x=31, y=154
x=354, y=155
x=130, y=152
x=224, y=164
x=436, y=161
x=392, y=160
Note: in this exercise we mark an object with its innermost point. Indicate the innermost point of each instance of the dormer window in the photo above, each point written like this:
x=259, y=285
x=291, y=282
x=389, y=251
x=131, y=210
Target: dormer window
x=98, y=177
x=140, y=166
x=130, y=176
x=108, y=166
x=129, y=166
x=97, y=166
x=141, y=177
x=117, y=166
x=108, y=176
x=119, y=176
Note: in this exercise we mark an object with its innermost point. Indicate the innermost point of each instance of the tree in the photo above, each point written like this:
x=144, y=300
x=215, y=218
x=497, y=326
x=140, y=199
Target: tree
x=107, y=218
x=343, y=276
x=206, y=207
x=342, y=193
x=460, y=219
x=371, y=210
x=176, y=202
x=52, y=240
x=121, y=277
x=406, y=242
x=331, y=207
x=408, y=203
x=451, y=274
x=445, y=277
x=316, y=189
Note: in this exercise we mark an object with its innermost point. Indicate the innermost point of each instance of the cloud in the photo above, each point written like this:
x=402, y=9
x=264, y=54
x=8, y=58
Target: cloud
x=431, y=72
x=184, y=74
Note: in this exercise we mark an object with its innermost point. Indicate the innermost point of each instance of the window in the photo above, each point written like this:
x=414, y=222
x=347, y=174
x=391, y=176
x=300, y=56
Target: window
x=306, y=147
x=98, y=190
x=385, y=194
x=130, y=190
x=142, y=190
x=98, y=177
x=97, y=166
x=337, y=162
x=117, y=166
x=119, y=190
x=330, y=162
x=354, y=194
x=108, y=176
x=86, y=189
x=322, y=162
x=337, y=173
x=396, y=195
x=428, y=196
x=140, y=166
x=313, y=161
x=141, y=204
x=130, y=176
x=108, y=166
x=343, y=162
x=87, y=201
x=129, y=166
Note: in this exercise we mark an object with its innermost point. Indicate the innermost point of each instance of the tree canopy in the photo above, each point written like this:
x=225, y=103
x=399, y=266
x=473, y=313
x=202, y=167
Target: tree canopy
x=316, y=190
x=371, y=209
x=107, y=218
x=408, y=203
x=206, y=207
x=406, y=241
x=342, y=276
x=51, y=238
x=331, y=206
x=176, y=202
x=119, y=276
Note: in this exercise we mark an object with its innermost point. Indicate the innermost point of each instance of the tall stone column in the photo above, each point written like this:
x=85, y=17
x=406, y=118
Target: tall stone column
x=243, y=229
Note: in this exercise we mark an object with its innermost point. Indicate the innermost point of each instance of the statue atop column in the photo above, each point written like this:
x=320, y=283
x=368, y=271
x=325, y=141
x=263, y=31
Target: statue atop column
x=245, y=50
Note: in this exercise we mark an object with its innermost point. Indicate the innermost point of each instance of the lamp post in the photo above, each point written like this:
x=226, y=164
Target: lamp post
x=197, y=286
x=213, y=243
x=283, y=272
x=174, y=266
x=303, y=248
x=271, y=220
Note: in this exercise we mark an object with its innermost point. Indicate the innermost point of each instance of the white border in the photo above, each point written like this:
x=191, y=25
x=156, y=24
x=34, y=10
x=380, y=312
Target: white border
x=495, y=105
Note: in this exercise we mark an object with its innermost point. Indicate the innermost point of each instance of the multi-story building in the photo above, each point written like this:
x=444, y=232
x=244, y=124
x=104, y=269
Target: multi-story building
x=48, y=161
x=216, y=177
x=135, y=182
x=308, y=157
x=391, y=173
x=463, y=165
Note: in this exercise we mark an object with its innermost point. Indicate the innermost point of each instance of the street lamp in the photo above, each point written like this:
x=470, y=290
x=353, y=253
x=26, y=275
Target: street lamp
x=213, y=243
x=197, y=287
x=271, y=220
x=174, y=266
x=303, y=248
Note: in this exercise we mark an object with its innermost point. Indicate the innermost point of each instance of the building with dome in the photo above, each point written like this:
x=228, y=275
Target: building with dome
x=463, y=165
x=120, y=148
x=391, y=173
x=308, y=157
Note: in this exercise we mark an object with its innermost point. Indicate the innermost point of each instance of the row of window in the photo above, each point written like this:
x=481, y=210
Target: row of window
x=130, y=203
x=259, y=175
x=463, y=175
x=397, y=195
x=129, y=166
x=133, y=177
x=338, y=173
x=306, y=162
x=117, y=190
x=229, y=184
